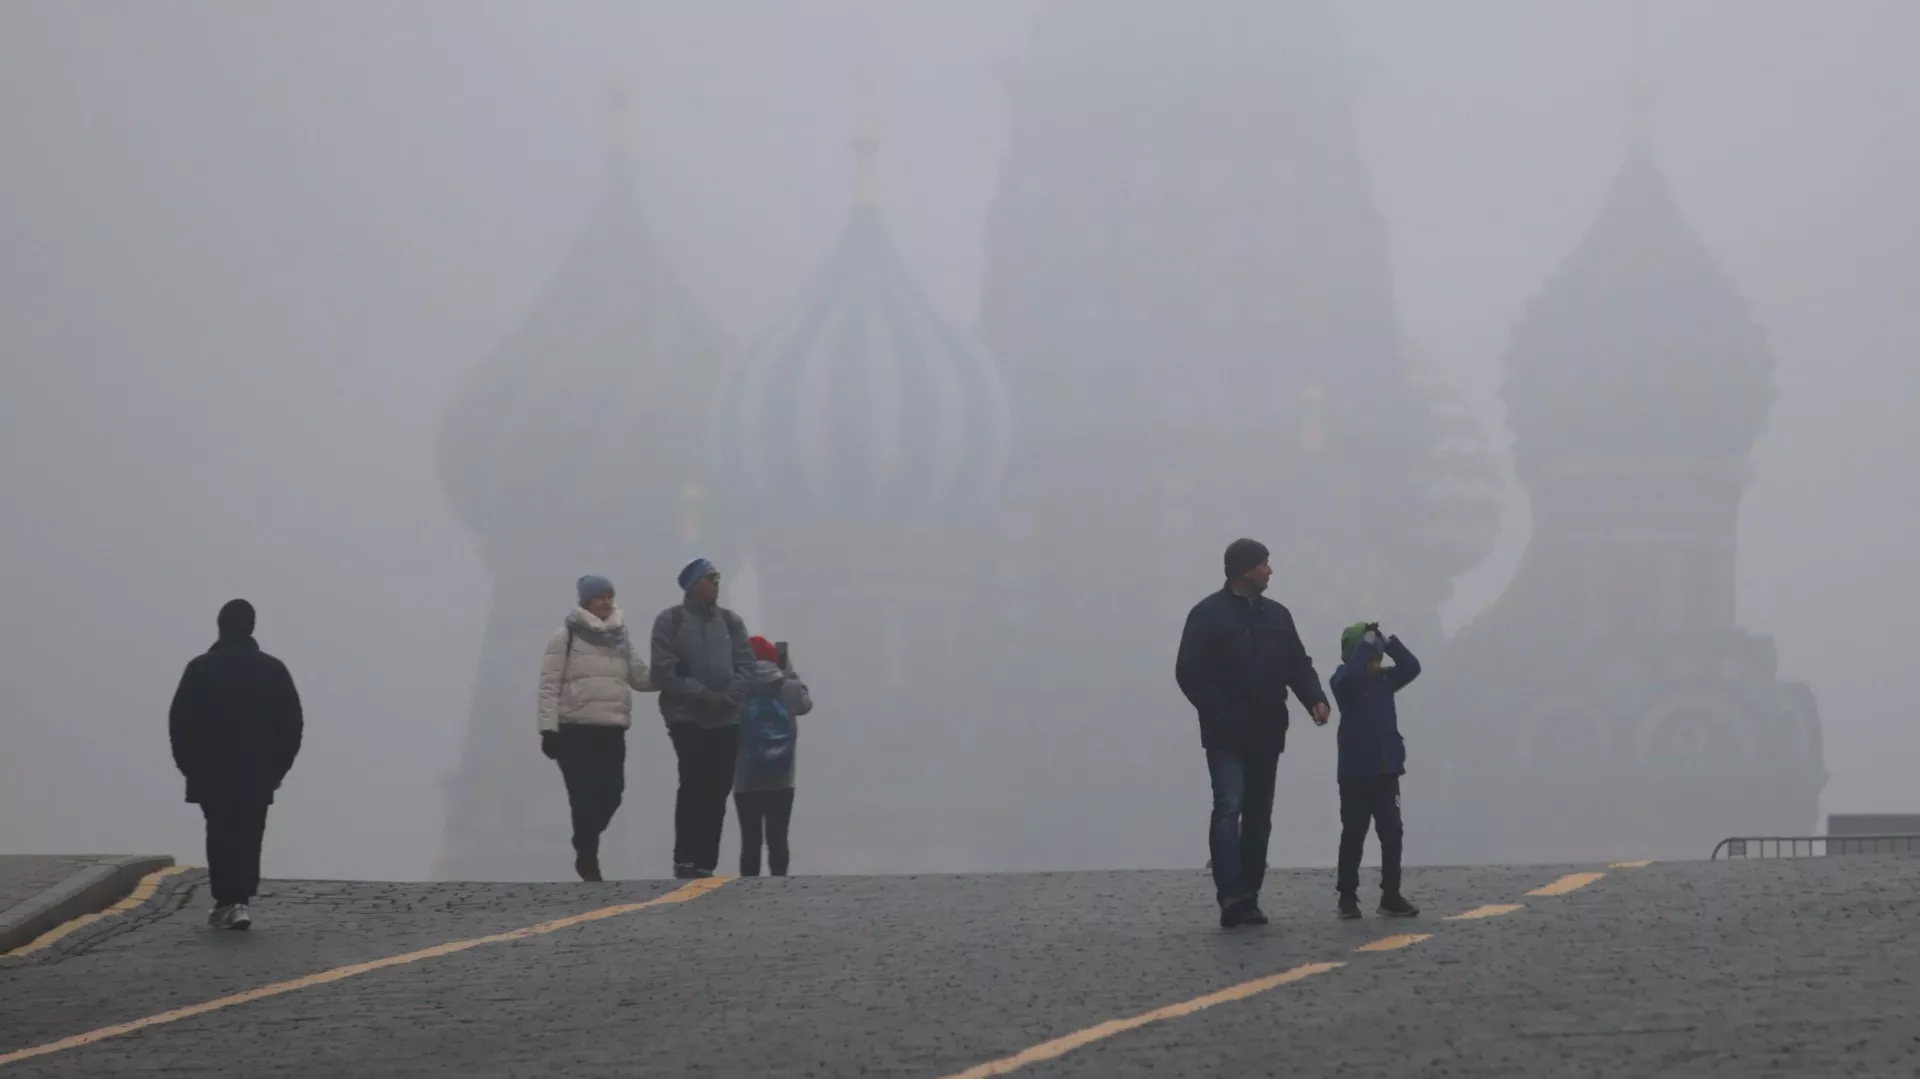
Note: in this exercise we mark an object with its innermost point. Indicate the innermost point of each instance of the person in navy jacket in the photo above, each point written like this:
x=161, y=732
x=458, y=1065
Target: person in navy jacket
x=1239, y=656
x=1373, y=757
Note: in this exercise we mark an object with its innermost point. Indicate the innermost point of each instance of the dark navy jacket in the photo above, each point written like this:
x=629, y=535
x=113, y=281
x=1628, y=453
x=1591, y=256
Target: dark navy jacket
x=1370, y=742
x=1238, y=658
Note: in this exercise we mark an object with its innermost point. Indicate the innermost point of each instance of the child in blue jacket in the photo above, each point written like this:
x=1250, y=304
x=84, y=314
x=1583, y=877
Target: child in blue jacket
x=1373, y=757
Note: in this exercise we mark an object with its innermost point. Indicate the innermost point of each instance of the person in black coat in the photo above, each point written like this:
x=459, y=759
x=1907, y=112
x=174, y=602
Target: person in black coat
x=1239, y=656
x=235, y=725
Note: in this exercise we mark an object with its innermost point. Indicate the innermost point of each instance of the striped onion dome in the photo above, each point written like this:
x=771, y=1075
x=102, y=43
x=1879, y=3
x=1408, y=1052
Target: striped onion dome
x=587, y=396
x=862, y=402
x=1462, y=482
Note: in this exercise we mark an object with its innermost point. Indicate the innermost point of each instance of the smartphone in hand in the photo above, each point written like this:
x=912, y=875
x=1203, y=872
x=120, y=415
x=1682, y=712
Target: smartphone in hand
x=780, y=648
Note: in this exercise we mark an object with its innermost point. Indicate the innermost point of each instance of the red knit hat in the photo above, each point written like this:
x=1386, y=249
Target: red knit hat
x=764, y=650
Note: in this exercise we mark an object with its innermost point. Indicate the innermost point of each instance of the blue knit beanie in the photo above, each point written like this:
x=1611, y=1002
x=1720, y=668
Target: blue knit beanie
x=691, y=573
x=592, y=585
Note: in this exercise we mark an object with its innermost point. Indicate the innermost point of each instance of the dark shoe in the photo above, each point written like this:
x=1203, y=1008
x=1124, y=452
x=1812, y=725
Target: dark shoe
x=1234, y=911
x=1349, y=907
x=1255, y=916
x=685, y=871
x=1393, y=906
x=588, y=868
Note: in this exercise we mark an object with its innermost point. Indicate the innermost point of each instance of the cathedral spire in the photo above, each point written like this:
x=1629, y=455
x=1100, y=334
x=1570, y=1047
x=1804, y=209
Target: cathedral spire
x=619, y=114
x=618, y=121
x=619, y=118
x=1640, y=100
x=866, y=144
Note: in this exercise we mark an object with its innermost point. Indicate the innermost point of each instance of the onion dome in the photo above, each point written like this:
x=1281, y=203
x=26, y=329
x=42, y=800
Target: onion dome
x=1638, y=345
x=862, y=402
x=1463, y=486
x=594, y=397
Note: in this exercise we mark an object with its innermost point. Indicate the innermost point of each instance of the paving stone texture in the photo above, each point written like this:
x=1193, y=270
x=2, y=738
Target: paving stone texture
x=24, y=876
x=1791, y=968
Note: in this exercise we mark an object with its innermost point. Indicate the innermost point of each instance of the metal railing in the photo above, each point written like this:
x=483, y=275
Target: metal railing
x=1814, y=846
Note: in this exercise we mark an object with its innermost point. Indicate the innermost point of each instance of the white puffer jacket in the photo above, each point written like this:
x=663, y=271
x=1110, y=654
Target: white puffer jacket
x=590, y=673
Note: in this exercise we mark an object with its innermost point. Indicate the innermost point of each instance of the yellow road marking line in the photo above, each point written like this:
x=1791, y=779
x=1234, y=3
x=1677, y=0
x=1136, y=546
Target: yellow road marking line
x=1492, y=910
x=1061, y=1046
x=1572, y=882
x=1388, y=944
x=1065, y=1044
x=142, y=892
x=691, y=890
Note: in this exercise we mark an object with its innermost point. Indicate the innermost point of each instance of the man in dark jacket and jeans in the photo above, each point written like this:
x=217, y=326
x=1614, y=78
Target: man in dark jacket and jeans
x=235, y=725
x=1239, y=655
x=701, y=656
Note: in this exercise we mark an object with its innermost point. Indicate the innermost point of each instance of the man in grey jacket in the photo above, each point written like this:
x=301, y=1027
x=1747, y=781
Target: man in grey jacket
x=701, y=657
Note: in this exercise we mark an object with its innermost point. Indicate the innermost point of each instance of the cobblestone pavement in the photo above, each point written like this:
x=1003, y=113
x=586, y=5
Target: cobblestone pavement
x=1738, y=969
x=23, y=876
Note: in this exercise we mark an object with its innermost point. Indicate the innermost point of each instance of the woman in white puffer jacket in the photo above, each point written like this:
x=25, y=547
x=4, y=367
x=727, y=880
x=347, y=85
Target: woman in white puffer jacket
x=587, y=681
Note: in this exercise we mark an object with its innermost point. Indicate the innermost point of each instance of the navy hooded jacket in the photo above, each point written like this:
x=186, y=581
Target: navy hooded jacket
x=1370, y=742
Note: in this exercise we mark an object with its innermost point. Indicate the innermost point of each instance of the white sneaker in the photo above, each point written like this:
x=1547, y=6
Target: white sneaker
x=217, y=917
x=239, y=918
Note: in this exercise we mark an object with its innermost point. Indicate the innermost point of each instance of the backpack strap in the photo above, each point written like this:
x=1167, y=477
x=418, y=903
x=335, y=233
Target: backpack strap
x=560, y=688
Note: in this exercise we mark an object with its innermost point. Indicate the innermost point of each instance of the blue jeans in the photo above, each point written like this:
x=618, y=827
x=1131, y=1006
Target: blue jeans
x=1242, y=820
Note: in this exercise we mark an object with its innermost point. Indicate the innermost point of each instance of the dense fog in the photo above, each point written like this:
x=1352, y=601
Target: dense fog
x=252, y=256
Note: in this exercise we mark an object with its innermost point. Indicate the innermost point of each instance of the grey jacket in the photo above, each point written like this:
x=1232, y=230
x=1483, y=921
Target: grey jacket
x=765, y=679
x=700, y=663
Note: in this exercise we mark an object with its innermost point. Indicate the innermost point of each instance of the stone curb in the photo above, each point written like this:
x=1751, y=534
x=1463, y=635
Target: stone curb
x=93, y=889
x=173, y=893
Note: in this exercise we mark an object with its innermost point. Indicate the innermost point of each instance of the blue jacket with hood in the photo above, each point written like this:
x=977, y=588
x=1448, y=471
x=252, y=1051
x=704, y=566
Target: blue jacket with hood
x=1370, y=742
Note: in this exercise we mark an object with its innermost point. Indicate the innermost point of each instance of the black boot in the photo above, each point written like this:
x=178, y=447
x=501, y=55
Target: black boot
x=1396, y=906
x=1234, y=911
x=586, y=857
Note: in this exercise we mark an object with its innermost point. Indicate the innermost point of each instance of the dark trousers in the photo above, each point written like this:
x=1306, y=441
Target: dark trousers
x=234, y=832
x=764, y=814
x=1242, y=820
x=593, y=761
x=1369, y=800
x=706, y=759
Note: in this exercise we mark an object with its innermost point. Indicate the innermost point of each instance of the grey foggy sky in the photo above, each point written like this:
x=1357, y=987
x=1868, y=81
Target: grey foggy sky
x=247, y=249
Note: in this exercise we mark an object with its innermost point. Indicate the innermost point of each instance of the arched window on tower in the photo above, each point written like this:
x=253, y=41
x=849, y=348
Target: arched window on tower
x=950, y=637
x=1673, y=589
x=1596, y=599
x=893, y=630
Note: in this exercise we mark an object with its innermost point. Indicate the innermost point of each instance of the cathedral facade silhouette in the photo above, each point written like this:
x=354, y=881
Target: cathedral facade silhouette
x=982, y=545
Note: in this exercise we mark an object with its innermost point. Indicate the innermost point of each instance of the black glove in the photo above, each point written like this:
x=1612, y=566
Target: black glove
x=550, y=744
